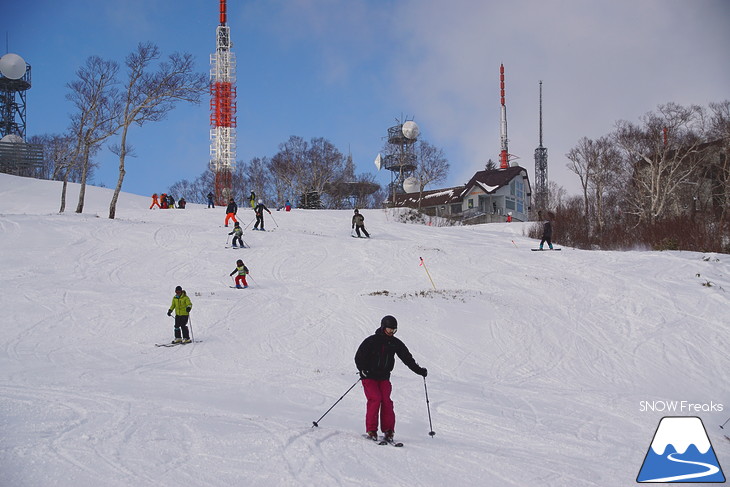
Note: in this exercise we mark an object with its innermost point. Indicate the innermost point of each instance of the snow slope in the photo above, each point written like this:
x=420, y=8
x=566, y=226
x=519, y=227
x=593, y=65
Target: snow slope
x=540, y=363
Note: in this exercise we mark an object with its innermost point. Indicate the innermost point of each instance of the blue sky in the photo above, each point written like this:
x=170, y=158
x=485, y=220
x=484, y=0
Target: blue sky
x=345, y=70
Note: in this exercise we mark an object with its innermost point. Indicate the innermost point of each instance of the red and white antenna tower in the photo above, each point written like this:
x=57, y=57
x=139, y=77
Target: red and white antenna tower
x=503, y=155
x=223, y=110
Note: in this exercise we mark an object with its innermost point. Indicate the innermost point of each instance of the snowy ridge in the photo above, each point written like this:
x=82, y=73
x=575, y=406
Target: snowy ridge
x=537, y=361
x=680, y=433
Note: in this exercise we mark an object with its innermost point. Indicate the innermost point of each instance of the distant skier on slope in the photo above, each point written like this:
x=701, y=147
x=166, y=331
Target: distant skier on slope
x=375, y=359
x=259, y=210
x=182, y=305
x=238, y=231
x=252, y=199
x=547, y=231
x=358, y=223
x=242, y=270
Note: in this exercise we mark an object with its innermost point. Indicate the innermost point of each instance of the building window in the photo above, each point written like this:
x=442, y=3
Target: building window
x=455, y=209
x=509, y=203
x=470, y=203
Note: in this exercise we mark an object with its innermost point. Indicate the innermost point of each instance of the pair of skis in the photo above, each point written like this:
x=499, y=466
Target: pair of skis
x=383, y=441
x=168, y=345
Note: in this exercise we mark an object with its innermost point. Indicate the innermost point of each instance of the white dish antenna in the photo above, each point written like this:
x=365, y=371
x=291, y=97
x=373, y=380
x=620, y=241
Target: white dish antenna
x=12, y=66
x=12, y=139
x=411, y=130
x=379, y=161
x=410, y=185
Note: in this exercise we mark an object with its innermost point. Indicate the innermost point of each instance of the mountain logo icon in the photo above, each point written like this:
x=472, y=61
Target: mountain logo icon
x=680, y=452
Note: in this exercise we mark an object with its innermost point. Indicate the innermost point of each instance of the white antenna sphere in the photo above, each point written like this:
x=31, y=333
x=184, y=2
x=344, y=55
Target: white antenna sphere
x=410, y=185
x=12, y=66
x=379, y=162
x=411, y=130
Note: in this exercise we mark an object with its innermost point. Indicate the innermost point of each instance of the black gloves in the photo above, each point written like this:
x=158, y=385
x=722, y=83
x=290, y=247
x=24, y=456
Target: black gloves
x=363, y=374
x=423, y=372
x=169, y=312
x=189, y=308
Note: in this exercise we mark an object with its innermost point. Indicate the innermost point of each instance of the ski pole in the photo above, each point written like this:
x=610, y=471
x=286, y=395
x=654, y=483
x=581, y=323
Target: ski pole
x=723, y=424
x=428, y=273
x=431, y=433
x=316, y=423
x=190, y=322
x=249, y=223
x=272, y=219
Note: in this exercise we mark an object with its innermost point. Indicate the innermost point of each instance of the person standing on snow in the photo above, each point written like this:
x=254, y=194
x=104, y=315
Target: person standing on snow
x=358, y=223
x=154, y=201
x=547, y=231
x=241, y=277
x=375, y=359
x=182, y=305
x=259, y=210
x=210, y=200
x=238, y=231
x=252, y=199
x=231, y=211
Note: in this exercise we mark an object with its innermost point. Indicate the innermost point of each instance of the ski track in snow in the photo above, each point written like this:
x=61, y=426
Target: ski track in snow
x=537, y=361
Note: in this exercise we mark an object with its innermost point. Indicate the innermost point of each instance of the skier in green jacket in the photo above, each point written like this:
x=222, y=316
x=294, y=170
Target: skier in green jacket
x=182, y=305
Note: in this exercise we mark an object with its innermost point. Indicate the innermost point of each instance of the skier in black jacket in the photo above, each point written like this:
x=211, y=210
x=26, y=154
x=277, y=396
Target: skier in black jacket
x=375, y=359
x=259, y=210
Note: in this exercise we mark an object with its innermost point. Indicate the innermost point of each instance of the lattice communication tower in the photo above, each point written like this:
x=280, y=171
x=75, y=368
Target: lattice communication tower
x=403, y=162
x=541, y=168
x=15, y=154
x=223, y=110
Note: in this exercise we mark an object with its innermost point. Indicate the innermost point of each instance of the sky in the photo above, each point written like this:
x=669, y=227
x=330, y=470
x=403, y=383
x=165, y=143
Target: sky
x=547, y=369
x=346, y=70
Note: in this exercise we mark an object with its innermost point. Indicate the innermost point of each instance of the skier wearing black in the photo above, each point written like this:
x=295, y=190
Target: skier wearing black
x=375, y=359
x=259, y=210
x=358, y=223
x=547, y=231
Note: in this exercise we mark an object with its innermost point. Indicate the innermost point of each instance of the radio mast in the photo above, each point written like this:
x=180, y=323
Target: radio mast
x=223, y=110
x=541, y=168
x=503, y=155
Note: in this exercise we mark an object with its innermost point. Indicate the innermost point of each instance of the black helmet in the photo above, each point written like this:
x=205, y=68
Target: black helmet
x=389, y=322
x=356, y=211
x=178, y=289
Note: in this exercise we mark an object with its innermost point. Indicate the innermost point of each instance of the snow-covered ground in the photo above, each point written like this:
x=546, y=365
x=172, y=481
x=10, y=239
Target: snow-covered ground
x=542, y=365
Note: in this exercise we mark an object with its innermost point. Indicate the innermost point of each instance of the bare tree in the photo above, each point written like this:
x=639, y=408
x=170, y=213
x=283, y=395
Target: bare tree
x=720, y=130
x=288, y=165
x=433, y=167
x=664, y=152
x=597, y=164
x=150, y=96
x=94, y=96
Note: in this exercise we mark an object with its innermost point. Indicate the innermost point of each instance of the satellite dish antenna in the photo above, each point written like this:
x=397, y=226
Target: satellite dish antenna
x=411, y=130
x=410, y=185
x=12, y=66
x=12, y=139
x=379, y=161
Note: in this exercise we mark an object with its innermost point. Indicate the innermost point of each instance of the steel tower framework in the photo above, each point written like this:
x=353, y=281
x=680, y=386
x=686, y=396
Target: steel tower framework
x=223, y=110
x=541, y=168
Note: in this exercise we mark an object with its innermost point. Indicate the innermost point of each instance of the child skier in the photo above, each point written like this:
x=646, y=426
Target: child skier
x=154, y=201
x=182, y=305
x=375, y=359
x=238, y=231
x=242, y=270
